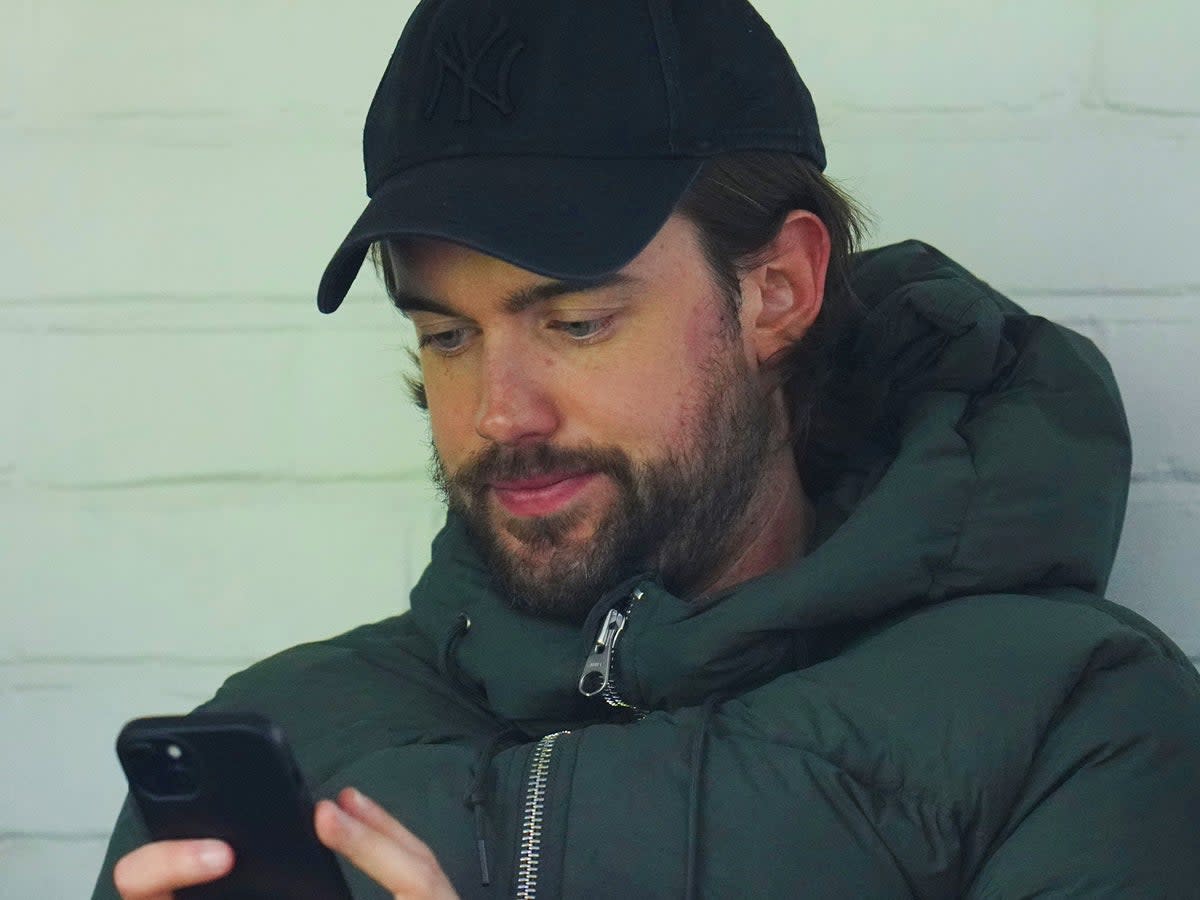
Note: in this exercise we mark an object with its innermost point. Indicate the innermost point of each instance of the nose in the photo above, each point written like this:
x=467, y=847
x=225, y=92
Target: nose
x=515, y=401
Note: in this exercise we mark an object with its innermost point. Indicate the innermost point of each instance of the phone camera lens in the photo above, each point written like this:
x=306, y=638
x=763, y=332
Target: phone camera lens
x=161, y=768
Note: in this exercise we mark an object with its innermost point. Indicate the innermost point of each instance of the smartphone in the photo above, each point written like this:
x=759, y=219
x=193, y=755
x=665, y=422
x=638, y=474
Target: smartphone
x=232, y=777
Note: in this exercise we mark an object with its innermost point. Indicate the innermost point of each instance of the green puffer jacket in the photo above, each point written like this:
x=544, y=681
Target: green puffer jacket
x=934, y=702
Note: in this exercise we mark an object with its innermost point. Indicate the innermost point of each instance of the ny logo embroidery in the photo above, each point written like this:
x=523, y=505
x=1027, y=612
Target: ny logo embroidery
x=460, y=60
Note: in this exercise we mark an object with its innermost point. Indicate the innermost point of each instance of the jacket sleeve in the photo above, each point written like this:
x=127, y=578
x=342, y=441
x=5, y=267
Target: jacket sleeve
x=127, y=835
x=1111, y=807
x=367, y=709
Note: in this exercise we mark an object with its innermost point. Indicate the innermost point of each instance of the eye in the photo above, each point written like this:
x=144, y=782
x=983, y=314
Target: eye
x=583, y=329
x=444, y=342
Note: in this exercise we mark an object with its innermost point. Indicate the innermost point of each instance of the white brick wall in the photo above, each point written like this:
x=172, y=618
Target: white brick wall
x=196, y=468
x=1147, y=61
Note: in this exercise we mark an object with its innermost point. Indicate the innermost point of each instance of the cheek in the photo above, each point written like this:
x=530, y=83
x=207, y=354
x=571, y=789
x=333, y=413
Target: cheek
x=656, y=392
x=636, y=404
x=450, y=420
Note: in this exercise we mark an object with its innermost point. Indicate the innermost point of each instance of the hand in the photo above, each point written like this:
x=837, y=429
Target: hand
x=363, y=832
x=356, y=827
x=152, y=872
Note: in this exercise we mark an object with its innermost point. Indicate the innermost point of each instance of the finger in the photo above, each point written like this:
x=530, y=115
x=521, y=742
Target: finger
x=404, y=872
x=370, y=813
x=152, y=872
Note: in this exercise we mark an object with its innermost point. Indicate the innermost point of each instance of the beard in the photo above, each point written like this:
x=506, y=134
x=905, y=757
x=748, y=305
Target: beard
x=679, y=516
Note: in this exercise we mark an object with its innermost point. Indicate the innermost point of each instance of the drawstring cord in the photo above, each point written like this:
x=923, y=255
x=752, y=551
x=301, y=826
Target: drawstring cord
x=478, y=796
x=448, y=663
x=462, y=624
x=478, y=793
x=699, y=742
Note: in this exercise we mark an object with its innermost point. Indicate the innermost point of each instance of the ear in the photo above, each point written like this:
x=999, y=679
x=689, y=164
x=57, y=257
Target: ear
x=782, y=296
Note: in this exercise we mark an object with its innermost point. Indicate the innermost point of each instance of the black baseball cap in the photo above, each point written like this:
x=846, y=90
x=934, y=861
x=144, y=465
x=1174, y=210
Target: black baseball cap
x=559, y=135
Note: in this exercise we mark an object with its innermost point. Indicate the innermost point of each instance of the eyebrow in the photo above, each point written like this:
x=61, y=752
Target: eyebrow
x=409, y=301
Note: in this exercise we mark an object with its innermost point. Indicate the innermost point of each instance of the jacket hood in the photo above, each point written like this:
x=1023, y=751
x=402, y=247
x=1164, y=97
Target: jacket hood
x=1000, y=464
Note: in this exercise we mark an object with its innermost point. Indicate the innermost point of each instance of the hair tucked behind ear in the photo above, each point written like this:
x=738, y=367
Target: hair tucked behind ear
x=739, y=202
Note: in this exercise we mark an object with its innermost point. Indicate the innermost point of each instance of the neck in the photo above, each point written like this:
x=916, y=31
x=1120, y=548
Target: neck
x=775, y=529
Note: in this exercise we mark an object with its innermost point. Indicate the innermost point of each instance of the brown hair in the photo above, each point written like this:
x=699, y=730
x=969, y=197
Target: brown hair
x=738, y=203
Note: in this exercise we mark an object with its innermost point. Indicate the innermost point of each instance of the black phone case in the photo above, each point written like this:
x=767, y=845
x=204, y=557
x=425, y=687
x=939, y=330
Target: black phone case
x=233, y=779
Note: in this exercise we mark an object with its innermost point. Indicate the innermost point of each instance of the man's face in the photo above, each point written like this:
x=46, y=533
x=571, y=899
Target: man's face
x=589, y=432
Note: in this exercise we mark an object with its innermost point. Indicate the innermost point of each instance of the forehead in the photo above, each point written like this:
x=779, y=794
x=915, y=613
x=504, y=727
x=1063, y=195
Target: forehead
x=442, y=268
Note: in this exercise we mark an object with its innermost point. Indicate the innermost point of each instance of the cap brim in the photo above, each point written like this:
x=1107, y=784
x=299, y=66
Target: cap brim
x=562, y=218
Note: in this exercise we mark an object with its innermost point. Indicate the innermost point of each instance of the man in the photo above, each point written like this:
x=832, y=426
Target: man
x=768, y=571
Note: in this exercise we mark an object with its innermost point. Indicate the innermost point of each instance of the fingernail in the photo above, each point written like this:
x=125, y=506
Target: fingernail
x=338, y=813
x=350, y=825
x=213, y=855
x=355, y=796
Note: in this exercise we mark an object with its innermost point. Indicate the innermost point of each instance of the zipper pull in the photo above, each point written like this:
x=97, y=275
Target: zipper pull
x=598, y=666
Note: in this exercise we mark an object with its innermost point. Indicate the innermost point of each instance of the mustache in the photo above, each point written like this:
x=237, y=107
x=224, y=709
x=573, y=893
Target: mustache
x=500, y=463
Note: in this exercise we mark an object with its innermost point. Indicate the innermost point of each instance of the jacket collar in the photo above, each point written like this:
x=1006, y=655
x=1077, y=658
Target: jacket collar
x=1000, y=464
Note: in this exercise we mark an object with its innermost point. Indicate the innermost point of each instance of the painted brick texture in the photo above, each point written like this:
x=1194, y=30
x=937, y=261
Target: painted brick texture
x=161, y=389
x=197, y=469
x=1147, y=60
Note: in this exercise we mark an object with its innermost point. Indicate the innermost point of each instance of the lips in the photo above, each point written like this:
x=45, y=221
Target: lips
x=541, y=495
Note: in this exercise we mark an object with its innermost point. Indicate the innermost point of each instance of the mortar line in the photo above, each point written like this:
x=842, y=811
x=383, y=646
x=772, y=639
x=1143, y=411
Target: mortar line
x=55, y=837
x=127, y=661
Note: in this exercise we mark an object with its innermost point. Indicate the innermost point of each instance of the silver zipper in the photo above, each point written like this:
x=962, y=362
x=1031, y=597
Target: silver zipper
x=597, y=668
x=597, y=677
x=532, y=819
x=612, y=698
